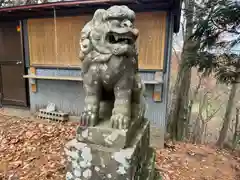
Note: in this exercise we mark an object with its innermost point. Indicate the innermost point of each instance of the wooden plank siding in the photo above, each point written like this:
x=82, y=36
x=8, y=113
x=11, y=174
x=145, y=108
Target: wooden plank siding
x=41, y=41
x=57, y=45
x=151, y=41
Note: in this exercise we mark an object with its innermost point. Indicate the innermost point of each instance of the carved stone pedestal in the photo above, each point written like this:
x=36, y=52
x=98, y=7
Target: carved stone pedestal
x=89, y=159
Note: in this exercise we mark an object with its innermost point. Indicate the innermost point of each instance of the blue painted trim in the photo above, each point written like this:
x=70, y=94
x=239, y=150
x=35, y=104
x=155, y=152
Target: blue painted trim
x=26, y=44
x=147, y=77
x=58, y=72
x=78, y=68
x=55, y=67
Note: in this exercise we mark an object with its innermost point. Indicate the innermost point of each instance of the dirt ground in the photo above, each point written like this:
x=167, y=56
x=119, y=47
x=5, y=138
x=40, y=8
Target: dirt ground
x=198, y=162
x=33, y=150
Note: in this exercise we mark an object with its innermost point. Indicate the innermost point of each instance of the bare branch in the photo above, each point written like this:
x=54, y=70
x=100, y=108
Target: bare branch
x=176, y=54
x=236, y=130
x=215, y=98
x=214, y=113
x=183, y=30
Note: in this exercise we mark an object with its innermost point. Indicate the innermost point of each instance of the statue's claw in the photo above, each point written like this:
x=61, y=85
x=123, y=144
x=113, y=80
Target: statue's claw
x=88, y=118
x=119, y=121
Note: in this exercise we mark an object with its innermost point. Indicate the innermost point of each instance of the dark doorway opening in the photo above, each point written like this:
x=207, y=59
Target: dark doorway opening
x=13, y=87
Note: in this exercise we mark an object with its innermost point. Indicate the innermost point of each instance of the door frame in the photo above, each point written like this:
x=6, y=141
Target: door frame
x=24, y=70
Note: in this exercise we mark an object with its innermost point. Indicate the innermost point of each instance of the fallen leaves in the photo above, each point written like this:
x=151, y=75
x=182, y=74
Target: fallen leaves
x=15, y=164
x=197, y=162
x=31, y=150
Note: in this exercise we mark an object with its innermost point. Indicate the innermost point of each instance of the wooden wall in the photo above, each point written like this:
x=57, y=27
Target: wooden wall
x=151, y=42
x=55, y=46
x=56, y=42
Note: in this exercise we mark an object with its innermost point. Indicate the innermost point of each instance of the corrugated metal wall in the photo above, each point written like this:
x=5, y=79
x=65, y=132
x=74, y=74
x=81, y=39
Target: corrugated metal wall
x=68, y=96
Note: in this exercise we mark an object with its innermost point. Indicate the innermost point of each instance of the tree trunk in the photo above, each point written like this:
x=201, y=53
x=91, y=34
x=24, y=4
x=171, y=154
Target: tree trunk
x=199, y=122
x=227, y=117
x=178, y=113
x=196, y=131
x=191, y=102
x=236, y=129
x=205, y=133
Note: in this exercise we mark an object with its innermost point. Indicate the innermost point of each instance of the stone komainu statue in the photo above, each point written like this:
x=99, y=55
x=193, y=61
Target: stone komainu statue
x=110, y=68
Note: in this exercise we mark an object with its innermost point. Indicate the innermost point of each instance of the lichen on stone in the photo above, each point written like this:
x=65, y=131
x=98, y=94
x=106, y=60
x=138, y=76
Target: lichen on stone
x=85, y=133
x=87, y=173
x=111, y=138
x=77, y=173
x=75, y=164
x=109, y=176
x=97, y=169
x=121, y=170
x=73, y=154
x=86, y=154
x=69, y=176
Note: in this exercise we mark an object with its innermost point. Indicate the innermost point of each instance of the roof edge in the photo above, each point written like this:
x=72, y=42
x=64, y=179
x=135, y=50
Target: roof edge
x=177, y=14
x=64, y=3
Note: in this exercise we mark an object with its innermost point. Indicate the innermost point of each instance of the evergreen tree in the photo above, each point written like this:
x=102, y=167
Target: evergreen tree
x=215, y=54
x=177, y=119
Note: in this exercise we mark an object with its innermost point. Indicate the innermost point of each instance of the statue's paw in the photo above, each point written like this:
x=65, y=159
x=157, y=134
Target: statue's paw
x=119, y=121
x=88, y=118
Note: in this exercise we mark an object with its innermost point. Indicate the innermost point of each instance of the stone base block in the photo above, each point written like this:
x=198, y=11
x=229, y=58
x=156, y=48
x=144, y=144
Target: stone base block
x=148, y=170
x=97, y=162
x=157, y=176
x=104, y=135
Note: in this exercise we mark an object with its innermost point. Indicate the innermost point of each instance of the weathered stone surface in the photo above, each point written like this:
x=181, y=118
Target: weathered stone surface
x=106, y=136
x=110, y=68
x=157, y=176
x=118, y=148
x=94, y=162
x=147, y=172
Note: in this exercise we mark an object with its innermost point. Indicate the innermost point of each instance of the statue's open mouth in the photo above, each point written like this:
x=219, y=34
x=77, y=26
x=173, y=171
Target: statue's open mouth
x=114, y=38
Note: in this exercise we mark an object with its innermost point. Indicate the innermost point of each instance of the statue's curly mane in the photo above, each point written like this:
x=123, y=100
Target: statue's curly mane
x=87, y=51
